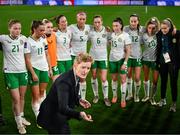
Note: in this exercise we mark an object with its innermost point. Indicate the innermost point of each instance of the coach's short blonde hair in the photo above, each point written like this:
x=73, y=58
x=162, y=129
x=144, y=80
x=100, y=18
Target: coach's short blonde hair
x=83, y=57
x=167, y=22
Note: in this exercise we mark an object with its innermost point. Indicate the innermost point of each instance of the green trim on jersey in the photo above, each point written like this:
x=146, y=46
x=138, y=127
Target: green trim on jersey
x=15, y=80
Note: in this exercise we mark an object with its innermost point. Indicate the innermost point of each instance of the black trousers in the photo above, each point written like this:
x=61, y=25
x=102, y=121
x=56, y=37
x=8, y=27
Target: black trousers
x=64, y=129
x=172, y=70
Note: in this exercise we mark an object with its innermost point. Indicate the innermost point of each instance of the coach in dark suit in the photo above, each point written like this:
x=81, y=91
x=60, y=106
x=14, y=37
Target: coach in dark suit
x=58, y=107
x=168, y=59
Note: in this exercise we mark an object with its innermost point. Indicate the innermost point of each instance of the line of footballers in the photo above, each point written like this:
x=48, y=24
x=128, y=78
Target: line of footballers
x=49, y=51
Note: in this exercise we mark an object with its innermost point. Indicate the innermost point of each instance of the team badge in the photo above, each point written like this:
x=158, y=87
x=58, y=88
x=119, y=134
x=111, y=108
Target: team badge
x=174, y=40
x=21, y=42
x=103, y=35
x=119, y=40
x=86, y=32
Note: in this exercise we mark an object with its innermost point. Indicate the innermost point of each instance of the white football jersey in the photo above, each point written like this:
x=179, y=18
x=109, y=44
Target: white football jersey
x=79, y=39
x=37, y=51
x=150, y=45
x=63, y=45
x=13, y=54
x=136, y=37
x=99, y=41
x=118, y=44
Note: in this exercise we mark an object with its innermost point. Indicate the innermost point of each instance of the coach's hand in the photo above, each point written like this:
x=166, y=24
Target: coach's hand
x=86, y=117
x=84, y=103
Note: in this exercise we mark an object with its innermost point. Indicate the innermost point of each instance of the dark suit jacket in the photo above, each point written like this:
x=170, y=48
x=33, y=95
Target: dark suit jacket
x=174, y=47
x=58, y=107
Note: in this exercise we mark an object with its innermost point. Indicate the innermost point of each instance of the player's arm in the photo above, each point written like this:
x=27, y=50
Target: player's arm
x=29, y=66
x=48, y=60
x=127, y=52
x=1, y=40
x=127, y=48
x=27, y=55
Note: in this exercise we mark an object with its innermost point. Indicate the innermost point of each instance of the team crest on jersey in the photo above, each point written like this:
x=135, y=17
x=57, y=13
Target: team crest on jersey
x=174, y=40
x=103, y=35
x=21, y=42
x=119, y=40
x=86, y=32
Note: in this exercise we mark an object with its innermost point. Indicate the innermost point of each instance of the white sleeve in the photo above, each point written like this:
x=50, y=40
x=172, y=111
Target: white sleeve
x=70, y=28
x=69, y=34
x=2, y=38
x=127, y=39
x=142, y=40
x=27, y=47
x=125, y=29
x=45, y=43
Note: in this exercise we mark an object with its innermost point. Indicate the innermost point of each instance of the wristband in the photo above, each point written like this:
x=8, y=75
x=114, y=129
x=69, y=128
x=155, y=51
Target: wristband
x=125, y=63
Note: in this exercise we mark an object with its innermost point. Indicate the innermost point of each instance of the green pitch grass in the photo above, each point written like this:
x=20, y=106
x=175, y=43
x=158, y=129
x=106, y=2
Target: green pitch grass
x=136, y=118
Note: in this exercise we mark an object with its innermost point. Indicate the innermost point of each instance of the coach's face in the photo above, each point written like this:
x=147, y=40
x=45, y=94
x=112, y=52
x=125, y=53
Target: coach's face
x=164, y=28
x=15, y=30
x=82, y=69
